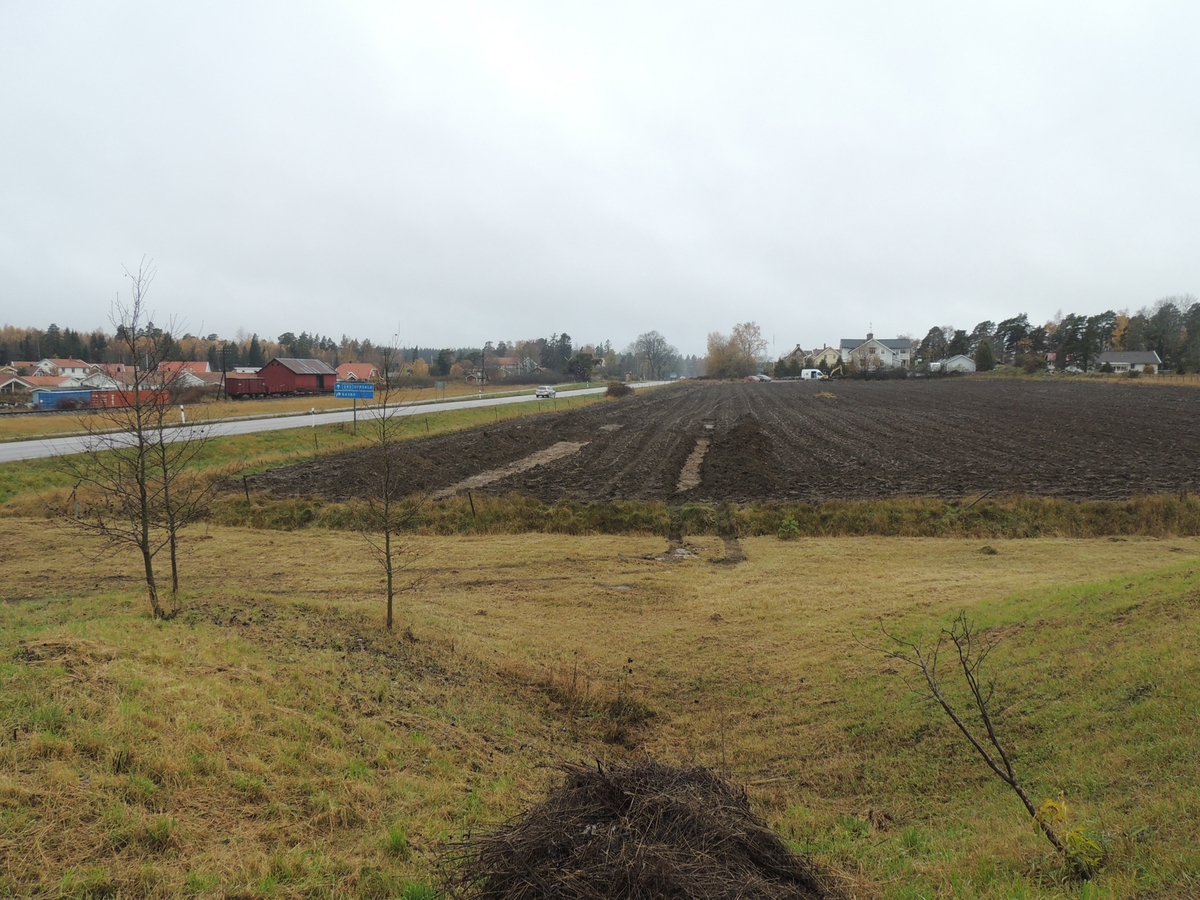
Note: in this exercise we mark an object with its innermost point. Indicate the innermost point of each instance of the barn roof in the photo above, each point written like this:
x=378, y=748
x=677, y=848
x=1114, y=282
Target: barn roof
x=304, y=366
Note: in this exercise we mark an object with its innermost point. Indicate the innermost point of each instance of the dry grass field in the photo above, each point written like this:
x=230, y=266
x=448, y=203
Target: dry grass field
x=275, y=741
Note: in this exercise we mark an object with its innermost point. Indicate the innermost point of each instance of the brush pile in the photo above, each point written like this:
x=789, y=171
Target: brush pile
x=645, y=830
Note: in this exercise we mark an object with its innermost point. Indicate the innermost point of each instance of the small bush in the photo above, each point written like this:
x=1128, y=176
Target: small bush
x=618, y=389
x=789, y=530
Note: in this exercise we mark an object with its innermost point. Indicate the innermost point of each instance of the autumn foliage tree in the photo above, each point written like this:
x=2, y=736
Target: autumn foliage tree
x=737, y=354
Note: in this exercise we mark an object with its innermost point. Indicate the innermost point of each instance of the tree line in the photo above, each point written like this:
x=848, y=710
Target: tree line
x=649, y=356
x=1170, y=327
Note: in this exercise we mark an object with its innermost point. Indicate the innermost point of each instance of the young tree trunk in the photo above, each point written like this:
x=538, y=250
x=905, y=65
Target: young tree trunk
x=388, y=564
x=144, y=542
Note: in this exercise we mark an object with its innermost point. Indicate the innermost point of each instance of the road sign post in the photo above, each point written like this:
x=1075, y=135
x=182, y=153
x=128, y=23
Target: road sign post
x=354, y=390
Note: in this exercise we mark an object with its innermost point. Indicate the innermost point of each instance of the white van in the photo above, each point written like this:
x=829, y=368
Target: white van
x=811, y=375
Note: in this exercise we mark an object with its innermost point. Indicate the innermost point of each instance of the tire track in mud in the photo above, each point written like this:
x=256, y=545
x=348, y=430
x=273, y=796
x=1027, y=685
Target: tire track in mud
x=483, y=479
x=633, y=462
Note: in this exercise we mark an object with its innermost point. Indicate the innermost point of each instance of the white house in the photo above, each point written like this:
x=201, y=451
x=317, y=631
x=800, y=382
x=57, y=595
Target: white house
x=877, y=353
x=958, y=363
x=1129, y=360
x=101, y=380
x=70, y=367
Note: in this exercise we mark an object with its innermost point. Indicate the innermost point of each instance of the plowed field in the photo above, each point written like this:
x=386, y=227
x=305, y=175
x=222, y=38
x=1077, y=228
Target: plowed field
x=947, y=438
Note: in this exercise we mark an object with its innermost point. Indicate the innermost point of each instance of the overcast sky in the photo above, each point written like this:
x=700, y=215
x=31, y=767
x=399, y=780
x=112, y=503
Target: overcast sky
x=460, y=172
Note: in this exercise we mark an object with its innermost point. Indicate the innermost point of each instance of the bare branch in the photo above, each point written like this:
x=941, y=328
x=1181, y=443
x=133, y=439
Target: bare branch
x=971, y=655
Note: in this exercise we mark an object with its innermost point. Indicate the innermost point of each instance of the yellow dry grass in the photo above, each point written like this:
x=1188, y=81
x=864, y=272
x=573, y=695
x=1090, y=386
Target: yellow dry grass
x=267, y=741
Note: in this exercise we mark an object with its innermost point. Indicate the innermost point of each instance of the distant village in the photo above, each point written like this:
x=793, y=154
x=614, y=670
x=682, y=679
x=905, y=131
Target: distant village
x=91, y=372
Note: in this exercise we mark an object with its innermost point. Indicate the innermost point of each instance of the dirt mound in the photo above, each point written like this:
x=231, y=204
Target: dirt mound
x=645, y=830
x=739, y=465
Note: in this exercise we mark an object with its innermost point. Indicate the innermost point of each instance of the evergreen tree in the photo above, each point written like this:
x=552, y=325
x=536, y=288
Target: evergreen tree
x=985, y=361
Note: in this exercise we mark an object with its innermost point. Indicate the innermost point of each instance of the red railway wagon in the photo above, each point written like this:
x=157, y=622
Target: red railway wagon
x=284, y=376
x=154, y=397
x=238, y=386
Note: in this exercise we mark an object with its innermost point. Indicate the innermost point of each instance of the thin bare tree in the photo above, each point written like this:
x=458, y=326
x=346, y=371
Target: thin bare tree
x=390, y=509
x=971, y=651
x=136, y=481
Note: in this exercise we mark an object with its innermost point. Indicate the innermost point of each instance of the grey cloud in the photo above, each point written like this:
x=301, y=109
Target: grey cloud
x=471, y=173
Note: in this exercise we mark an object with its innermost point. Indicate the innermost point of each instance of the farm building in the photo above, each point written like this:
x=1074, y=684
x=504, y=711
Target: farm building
x=1129, y=360
x=958, y=363
x=284, y=376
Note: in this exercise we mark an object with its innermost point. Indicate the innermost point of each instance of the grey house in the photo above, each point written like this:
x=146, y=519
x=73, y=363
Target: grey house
x=1129, y=360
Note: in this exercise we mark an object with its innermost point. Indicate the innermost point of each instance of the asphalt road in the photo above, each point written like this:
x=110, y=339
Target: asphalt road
x=40, y=448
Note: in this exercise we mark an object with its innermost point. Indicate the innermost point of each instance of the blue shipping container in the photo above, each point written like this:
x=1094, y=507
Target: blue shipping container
x=45, y=399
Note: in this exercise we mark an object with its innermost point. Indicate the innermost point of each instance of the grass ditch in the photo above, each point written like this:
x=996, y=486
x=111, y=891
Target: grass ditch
x=276, y=741
x=1003, y=517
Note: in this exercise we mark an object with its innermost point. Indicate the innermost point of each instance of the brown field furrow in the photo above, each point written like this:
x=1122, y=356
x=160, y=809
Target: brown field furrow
x=949, y=438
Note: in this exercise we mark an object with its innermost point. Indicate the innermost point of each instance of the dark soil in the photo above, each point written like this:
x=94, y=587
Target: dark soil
x=849, y=440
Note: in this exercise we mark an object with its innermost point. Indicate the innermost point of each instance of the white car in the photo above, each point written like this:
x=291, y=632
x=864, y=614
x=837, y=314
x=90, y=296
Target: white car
x=545, y=392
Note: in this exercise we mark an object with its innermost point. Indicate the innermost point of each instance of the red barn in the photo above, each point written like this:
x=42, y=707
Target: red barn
x=285, y=376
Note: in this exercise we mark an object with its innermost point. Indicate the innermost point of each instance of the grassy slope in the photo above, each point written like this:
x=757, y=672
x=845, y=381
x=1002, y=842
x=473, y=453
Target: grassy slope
x=268, y=740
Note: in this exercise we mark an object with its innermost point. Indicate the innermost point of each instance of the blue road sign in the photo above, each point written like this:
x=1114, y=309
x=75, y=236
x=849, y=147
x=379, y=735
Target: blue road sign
x=354, y=390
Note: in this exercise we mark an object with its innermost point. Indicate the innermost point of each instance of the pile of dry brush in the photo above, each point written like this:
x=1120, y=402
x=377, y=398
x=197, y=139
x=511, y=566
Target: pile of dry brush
x=637, y=831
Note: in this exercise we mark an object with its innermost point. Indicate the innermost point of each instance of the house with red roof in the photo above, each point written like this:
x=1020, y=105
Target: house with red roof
x=357, y=372
x=69, y=367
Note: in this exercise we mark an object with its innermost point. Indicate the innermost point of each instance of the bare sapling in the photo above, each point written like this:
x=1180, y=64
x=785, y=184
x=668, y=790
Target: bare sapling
x=390, y=511
x=971, y=651
x=136, y=481
x=186, y=489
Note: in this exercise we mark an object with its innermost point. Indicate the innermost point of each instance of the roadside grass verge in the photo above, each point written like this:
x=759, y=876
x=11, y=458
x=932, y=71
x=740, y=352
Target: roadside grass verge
x=1011, y=517
x=275, y=740
x=29, y=487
